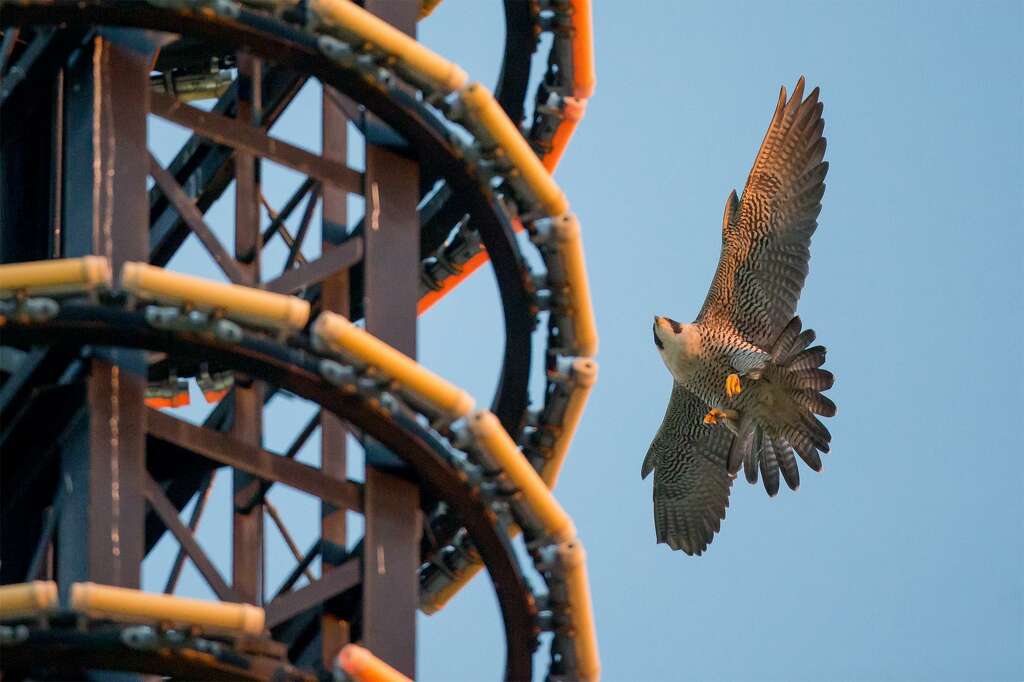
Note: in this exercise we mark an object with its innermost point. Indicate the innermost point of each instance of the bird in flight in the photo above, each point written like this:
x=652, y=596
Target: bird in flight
x=747, y=383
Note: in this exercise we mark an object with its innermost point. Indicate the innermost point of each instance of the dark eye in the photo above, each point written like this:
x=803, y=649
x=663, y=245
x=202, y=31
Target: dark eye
x=657, y=341
x=676, y=327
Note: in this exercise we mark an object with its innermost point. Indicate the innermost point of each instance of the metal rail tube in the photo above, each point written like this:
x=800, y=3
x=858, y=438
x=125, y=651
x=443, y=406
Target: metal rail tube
x=581, y=614
x=338, y=333
x=355, y=22
x=60, y=276
x=573, y=110
x=584, y=78
x=254, y=306
x=362, y=666
x=124, y=603
x=495, y=441
x=566, y=230
x=583, y=376
x=27, y=599
x=493, y=125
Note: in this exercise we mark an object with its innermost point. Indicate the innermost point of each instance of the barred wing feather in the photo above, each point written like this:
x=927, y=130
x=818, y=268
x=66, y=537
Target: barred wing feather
x=766, y=234
x=691, y=484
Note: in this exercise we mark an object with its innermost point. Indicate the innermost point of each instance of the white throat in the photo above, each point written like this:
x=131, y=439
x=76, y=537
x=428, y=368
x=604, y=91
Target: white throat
x=681, y=350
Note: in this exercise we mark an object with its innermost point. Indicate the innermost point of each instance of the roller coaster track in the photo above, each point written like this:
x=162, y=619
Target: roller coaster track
x=74, y=328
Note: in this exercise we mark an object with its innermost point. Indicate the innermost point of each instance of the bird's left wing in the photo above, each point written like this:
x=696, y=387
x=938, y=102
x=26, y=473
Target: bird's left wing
x=766, y=235
x=691, y=484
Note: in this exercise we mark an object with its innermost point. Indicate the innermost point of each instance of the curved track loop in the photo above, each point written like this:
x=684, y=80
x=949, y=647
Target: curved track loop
x=424, y=130
x=298, y=371
x=470, y=174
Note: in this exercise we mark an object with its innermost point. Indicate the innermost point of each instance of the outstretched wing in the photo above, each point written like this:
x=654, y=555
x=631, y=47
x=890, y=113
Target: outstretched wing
x=691, y=485
x=766, y=235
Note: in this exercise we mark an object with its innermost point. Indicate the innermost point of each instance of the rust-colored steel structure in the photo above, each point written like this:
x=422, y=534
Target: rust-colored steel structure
x=95, y=471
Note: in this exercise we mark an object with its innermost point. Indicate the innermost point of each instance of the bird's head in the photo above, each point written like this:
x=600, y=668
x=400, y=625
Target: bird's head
x=674, y=339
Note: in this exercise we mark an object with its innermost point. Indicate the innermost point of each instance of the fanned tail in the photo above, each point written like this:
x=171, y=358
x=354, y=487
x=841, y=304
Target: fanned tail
x=779, y=413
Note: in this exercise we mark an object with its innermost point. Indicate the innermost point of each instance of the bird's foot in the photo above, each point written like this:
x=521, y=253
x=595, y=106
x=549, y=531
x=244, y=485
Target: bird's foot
x=732, y=385
x=716, y=415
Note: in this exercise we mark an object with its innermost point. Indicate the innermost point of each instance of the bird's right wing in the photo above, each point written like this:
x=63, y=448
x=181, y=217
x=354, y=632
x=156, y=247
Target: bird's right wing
x=766, y=234
x=691, y=484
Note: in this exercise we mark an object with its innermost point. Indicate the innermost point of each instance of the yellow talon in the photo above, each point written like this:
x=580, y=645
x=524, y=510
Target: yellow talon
x=732, y=385
x=715, y=414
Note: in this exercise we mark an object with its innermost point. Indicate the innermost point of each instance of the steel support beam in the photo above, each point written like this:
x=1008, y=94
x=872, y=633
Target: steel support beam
x=246, y=135
x=392, y=501
x=168, y=513
x=247, y=522
x=300, y=569
x=228, y=450
x=204, y=170
x=334, y=582
x=191, y=216
x=193, y=525
x=334, y=631
x=290, y=453
x=336, y=260
x=101, y=534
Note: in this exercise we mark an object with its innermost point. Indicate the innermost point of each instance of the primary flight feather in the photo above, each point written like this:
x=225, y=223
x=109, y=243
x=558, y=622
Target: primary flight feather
x=746, y=381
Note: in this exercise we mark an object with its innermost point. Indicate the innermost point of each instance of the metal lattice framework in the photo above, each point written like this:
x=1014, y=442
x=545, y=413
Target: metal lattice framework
x=99, y=335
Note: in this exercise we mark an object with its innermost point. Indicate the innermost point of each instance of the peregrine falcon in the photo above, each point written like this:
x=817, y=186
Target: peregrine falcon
x=746, y=381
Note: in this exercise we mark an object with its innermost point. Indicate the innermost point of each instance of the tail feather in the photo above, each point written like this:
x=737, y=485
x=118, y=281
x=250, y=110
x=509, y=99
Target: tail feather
x=812, y=358
x=817, y=431
x=815, y=402
x=786, y=339
x=742, y=446
x=787, y=462
x=805, y=339
x=783, y=432
x=750, y=465
x=769, y=466
x=812, y=379
x=804, y=446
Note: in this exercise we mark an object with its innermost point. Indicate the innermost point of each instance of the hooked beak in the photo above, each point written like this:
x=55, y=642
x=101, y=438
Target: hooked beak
x=657, y=341
x=667, y=323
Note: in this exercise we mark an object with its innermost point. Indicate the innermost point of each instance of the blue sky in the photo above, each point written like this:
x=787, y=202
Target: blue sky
x=904, y=559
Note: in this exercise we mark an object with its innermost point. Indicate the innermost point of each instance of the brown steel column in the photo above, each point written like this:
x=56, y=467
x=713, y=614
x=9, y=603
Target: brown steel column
x=106, y=212
x=393, y=518
x=247, y=522
x=334, y=632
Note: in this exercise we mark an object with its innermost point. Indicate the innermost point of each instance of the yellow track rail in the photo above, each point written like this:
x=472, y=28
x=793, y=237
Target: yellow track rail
x=354, y=23
x=501, y=452
x=245, y=304
x=362, y=666
x=39, y=598
x=120, y=603
x=60, y=276
x=27, y=599
x=334, y=332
